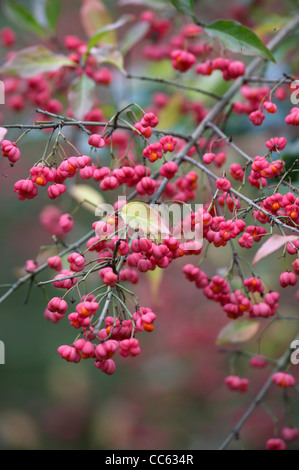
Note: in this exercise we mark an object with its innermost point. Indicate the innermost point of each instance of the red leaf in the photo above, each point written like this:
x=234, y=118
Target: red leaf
x=274, y=243
x=3, y=133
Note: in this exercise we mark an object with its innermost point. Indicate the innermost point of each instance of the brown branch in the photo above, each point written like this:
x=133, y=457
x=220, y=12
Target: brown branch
x=44, y=266
x=73, y=122
x=249, y=159
x=64, y=122
x=225, y=100
x=175, y=84
x=236, y=258
x=229, y=141
x=272, y=217
x=218, y=108
x=281, y=364
x=269, y=81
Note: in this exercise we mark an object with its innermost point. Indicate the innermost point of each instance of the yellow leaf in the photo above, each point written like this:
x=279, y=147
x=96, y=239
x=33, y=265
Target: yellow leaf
x=88, y=196
x=238, y=331
x=94, y=16
x=155, y=278
x=171, y=113
x=142, y=217
x=273, y=24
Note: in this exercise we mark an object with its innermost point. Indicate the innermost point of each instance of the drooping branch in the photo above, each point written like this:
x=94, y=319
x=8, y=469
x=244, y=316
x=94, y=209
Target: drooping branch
x=227, y=97
x=248, y=201
x=181, y=156
x=44, y=266
x=281, y=364
x=248, y=159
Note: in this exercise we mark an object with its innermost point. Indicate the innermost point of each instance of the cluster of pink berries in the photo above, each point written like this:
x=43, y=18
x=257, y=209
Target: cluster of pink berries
x=42, y=174
x=231, y=69
x=39, y=90
x=7, y=36
x=289, y=434
x=55, y=222
x=236, y=303
x=120, y=259
x=10, y=151
x=235, y=383
x=145, y=126
x=110, y=179
x=155, y=151
x=261, y=170
x=141, y=254
x=78, y=49
x=286, y=206
x=217, y=230
x=184, y=49
x=103, y=344
x=256, y=100
x=284, y=380
x=185, y=40
x=292, y=119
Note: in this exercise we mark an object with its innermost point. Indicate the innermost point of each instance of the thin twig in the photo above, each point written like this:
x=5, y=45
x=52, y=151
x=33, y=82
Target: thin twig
x=241, y=196
x=221, y=104
x=281, y=364
x=44, y=266
x=62, y=123
x=270, y=81
x=248, y=158
x=175, y=84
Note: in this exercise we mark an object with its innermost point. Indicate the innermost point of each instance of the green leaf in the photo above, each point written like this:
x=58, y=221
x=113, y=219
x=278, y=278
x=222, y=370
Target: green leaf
x=155, y=278
x=34, y=60
x=131, y=116
x=186, y=7
x=153, y=4
x=25, y=18
x=108, y=28
x=82, y=96
x=134, y=36
x=171, y=113
x=94, y=15
x=141, y=216
x=108, y=54
x=238, y=331
x=53, y=8
x=238, y=38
